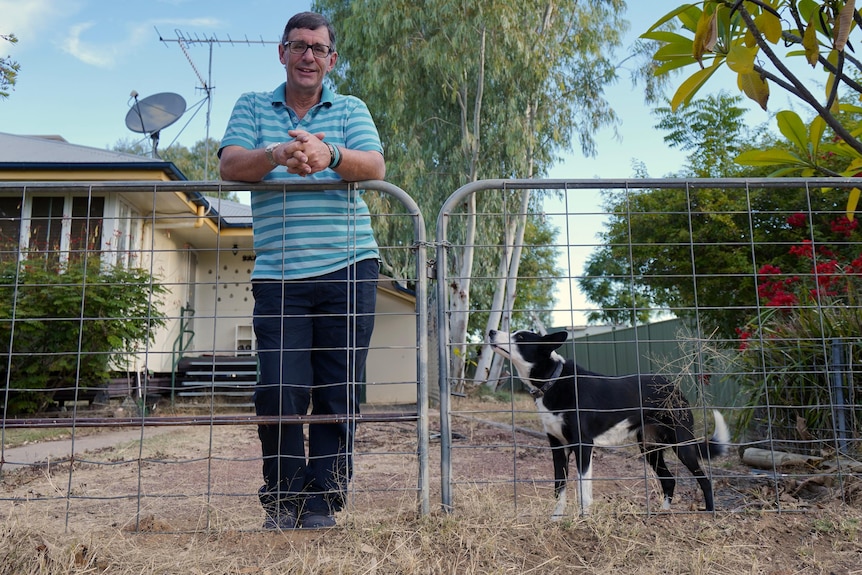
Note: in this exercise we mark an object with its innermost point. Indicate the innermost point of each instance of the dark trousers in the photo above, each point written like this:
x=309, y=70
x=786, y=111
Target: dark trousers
x=312, y=341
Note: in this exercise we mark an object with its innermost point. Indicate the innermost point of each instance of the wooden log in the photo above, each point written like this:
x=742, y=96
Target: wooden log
x=767, y=459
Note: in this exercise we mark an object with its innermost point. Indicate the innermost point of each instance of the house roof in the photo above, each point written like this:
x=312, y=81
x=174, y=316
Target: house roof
x=231, y=214
x=53, y=153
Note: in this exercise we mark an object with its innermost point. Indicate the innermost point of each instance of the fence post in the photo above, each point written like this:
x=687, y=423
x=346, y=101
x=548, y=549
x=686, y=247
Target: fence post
x=838, y=406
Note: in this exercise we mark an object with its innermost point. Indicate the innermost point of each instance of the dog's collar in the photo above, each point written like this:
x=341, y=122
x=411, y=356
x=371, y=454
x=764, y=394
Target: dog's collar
x=537, y=392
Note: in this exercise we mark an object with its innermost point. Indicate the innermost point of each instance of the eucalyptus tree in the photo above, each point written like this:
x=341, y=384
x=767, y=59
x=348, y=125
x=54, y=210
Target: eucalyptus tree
x=463, y=91
x=9, y=69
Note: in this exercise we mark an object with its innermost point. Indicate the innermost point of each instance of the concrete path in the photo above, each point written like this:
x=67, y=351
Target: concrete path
x=61, y=450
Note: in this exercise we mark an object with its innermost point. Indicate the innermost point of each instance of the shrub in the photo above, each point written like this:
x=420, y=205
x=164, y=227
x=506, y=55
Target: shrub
x=787, y=349
x=69, y=325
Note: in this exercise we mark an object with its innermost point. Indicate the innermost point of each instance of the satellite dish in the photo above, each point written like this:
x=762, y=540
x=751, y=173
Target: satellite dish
x=154, y=113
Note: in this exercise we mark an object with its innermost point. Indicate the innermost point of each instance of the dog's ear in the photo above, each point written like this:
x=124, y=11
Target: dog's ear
x=556, y=338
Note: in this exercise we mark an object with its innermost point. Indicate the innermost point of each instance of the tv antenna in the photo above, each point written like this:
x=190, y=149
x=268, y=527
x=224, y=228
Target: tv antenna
x=154, y=113
x=184, y=41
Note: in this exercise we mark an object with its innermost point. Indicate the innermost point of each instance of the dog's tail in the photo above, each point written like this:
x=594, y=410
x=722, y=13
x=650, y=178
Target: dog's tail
x=717, y=445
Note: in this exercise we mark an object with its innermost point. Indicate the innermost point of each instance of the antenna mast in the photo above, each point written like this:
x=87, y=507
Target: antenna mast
x=184, y=41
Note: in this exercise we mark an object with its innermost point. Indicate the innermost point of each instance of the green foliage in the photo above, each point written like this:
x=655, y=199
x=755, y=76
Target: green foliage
x=537, y=276
x=69, y=326
x=811, y=300
x=762, y=43
x=199, y=163
x=9, y=69
x=715, y=124
x=692, y=251
x=655, y=240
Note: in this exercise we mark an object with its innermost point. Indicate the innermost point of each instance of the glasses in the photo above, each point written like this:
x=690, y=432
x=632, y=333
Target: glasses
x=297, y=47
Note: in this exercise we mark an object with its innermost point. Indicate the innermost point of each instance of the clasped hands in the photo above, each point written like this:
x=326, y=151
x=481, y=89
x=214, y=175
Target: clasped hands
x=306, y=154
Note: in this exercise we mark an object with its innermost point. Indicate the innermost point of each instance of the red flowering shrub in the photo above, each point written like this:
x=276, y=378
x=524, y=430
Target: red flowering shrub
x=805, y=309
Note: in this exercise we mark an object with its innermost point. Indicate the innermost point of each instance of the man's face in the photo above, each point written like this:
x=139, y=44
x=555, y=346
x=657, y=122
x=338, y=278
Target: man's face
x=305, y=72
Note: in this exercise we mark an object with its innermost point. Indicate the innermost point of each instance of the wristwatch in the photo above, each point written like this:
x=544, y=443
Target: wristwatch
x=269, y=151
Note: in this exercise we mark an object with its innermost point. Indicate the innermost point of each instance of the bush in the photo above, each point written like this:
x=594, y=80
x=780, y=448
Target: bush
x=69, y=325
x=787, y=349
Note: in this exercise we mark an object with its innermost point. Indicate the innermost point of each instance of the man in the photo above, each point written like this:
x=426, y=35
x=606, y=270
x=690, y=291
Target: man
x=314, y=278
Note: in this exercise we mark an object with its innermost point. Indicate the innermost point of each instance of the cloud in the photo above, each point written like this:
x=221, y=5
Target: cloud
x=106, y=54
x=27, y=20
x=98, y=56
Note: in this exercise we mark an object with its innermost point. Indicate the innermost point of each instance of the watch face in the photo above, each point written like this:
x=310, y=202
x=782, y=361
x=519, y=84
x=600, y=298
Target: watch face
x=269, y=150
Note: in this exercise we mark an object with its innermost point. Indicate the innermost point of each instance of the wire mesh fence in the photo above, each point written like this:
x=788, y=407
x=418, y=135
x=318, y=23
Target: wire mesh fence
x=744, y=294
x=131, y=358
x=746, y=297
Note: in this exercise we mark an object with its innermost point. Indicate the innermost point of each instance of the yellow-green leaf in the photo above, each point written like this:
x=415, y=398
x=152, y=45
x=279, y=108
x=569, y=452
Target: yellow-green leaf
x=815, y=135
x=809, y=42
x=791, y=126
x=678, y=11
x=691, y=85
x=704, y=37
x=852, y=203
x=755, y=87
x=769, y=25
x=772, y=157
x=741, y=59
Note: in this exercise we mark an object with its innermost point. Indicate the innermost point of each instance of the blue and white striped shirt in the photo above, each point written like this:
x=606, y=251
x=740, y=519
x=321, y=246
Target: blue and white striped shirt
x=303, y=234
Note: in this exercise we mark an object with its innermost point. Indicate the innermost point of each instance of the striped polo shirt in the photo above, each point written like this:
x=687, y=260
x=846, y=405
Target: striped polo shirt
x=304, y=234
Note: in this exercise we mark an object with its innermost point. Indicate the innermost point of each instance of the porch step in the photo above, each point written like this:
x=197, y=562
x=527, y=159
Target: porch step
x=219, y=375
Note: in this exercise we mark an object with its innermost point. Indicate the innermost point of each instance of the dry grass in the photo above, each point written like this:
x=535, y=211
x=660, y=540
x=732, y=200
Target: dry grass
x=482, y=537
x=199, y=515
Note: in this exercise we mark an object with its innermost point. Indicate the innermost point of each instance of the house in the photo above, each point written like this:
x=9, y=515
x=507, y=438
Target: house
x=199, y=247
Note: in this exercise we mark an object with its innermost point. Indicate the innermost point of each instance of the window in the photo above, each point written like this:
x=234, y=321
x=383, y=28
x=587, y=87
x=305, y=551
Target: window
x=127, y=232
x=63, y=227
x=10, y=227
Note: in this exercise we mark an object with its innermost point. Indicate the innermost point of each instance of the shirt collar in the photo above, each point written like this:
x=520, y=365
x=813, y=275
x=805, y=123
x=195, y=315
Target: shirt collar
x=327, y=96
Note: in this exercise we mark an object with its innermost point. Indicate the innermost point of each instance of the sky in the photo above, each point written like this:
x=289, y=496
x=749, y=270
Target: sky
x=81, y=59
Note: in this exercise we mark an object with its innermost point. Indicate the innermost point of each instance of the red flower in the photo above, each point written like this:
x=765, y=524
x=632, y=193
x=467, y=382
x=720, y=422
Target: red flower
x=797, y=220
x=844, y=227
x=782, y=299
x=769, y=270
x=806, y=250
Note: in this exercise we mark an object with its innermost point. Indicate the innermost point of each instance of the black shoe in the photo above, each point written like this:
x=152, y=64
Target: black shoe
x=284, y=521
x=316, y=521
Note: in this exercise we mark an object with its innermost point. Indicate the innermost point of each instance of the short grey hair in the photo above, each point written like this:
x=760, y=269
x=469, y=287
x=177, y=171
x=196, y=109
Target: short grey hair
x=309, y=21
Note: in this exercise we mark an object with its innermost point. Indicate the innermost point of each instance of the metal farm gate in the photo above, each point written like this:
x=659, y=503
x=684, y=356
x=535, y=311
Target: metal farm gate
x=770, y=270
x=763, y=273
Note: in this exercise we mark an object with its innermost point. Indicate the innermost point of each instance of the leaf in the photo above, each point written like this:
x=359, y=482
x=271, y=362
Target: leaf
x=791, y=126
x=769, y=25
x=755, y=87
x=692, y=84
x=771, y=157
x=705, y=37
x=674, y=51
x=852, y=203
x=741, y=59
x=843, y=24
x=678, y=11
x=665, y=36
x=811, y=45
x=815, y=136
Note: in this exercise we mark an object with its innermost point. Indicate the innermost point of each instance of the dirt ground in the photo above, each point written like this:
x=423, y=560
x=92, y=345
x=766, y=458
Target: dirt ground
x=185, y=501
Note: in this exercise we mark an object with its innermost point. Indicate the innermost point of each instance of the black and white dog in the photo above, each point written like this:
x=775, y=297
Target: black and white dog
x=580, y=409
